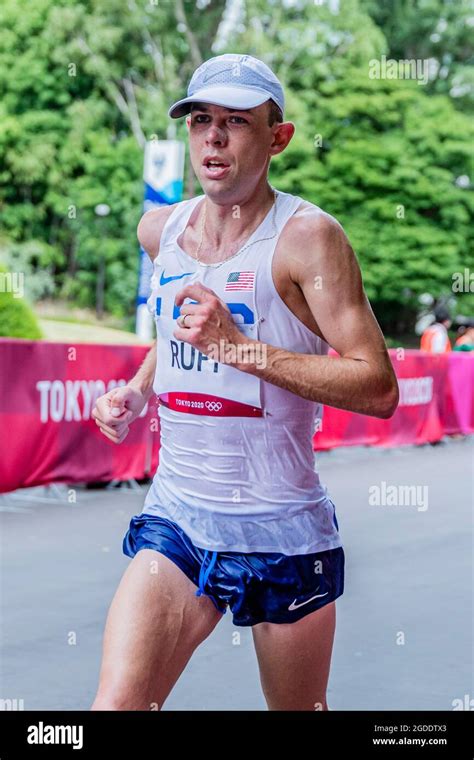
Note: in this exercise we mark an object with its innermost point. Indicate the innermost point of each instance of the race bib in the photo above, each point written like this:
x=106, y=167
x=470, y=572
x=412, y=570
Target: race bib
x=187, y=380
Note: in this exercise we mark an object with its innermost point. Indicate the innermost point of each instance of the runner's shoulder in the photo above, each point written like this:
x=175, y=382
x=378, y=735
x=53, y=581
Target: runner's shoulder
x=311, y=226
x=151, y=226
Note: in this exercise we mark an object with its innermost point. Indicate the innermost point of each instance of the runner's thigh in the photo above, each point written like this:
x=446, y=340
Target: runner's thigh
x=294, y=660
x=154, y=624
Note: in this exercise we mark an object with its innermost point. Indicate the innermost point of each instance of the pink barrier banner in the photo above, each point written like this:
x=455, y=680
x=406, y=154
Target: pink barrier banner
x=457, y=401
x=420, y=417
x=47, y=393
x=48, y=390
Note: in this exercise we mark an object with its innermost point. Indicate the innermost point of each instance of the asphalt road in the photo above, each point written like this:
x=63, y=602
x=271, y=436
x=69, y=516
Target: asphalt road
x=404, y=631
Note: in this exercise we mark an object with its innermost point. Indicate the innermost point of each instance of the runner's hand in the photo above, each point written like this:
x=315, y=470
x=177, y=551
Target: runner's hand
x=209, y=320
x=116, y=410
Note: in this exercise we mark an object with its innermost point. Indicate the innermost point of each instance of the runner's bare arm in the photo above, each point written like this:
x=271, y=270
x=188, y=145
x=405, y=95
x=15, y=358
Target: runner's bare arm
x=117, y=409
x=143, y=380
x=361, y=379
x=150, y=228
x=149, y=232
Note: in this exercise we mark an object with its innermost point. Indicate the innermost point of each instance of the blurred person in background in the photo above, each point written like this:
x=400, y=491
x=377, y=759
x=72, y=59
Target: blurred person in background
x=465, y=339
x=435, y=339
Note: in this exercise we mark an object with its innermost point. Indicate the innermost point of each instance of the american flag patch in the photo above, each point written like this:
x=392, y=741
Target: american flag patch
x=240, y=281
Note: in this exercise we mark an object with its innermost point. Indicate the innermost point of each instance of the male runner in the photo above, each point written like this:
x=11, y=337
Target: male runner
x=250, y=288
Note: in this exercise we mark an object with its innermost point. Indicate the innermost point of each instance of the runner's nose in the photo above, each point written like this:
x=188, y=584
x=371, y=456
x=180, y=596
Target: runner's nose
x=215, y=135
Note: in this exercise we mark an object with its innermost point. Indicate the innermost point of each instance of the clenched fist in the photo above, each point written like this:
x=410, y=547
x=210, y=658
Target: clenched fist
x=116, y=410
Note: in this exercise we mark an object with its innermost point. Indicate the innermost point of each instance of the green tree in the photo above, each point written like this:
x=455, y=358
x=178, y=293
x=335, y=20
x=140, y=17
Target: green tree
x=441, y=30
x=84, y=84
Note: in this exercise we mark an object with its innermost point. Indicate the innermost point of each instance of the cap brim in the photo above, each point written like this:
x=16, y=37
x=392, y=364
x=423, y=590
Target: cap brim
x=229, y=97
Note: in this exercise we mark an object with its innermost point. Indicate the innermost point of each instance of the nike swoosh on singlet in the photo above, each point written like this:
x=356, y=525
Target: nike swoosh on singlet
x=294, y=606
x=165, y=280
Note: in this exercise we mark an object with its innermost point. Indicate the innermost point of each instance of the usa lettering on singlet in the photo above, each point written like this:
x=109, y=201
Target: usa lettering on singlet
x=236, y=468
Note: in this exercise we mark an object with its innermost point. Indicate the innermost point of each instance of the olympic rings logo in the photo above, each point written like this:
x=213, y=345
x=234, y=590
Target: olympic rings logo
x=213, y=406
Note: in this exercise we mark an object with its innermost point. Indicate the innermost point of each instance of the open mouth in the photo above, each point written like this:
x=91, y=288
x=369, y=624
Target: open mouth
x=215, y=169
x=215, y=166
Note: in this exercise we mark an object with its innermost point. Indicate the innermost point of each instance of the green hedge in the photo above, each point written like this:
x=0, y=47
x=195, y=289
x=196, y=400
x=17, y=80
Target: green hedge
x=17, y=319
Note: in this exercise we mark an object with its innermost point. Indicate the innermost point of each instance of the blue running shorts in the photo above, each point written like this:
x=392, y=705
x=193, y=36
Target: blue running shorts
x=258, y=586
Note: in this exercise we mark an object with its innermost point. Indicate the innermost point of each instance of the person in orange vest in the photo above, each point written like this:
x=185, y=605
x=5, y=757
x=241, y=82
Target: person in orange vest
x=465, y=340
x=435, y=338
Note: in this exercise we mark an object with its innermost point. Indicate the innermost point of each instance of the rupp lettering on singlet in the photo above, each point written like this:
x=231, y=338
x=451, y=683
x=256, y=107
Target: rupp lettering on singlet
x=187, y=380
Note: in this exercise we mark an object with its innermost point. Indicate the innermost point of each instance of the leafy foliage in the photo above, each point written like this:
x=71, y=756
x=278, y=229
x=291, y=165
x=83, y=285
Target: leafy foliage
x=17, y=319
x=84, y=84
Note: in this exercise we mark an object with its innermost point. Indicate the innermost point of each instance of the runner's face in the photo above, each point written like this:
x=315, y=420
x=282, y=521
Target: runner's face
x=242, y=140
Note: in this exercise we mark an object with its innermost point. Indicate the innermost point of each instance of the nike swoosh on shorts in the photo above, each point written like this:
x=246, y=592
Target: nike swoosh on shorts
x=294, y=606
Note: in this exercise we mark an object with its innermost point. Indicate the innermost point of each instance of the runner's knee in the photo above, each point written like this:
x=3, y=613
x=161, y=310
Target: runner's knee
x=120, y=698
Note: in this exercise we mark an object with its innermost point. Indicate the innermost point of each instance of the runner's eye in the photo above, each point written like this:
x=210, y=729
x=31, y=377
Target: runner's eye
x=203, y=118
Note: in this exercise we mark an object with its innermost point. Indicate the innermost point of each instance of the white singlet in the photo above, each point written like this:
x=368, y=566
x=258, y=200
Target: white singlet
x=236, y=468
